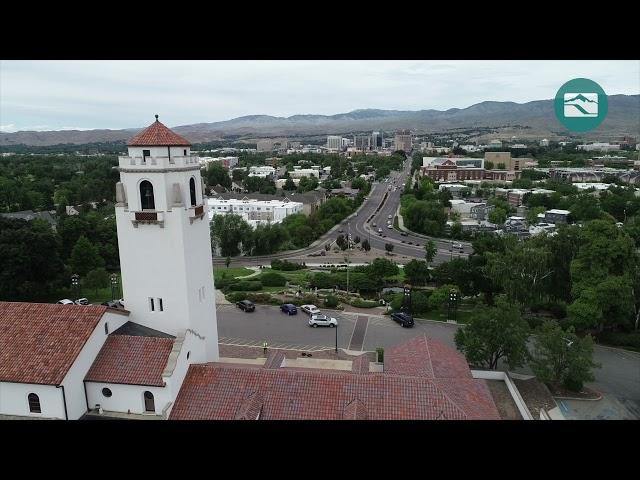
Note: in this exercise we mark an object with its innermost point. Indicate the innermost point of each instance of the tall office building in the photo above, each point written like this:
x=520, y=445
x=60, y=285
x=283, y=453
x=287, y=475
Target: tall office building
x=403, y=141
x=377, y=140
x=334, y=142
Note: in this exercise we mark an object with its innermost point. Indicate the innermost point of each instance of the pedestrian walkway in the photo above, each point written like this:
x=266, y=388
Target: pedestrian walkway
x=243, y=342
x=359, y=331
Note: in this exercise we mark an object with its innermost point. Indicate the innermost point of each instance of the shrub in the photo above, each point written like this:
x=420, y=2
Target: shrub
x=273, y=279
x=285, y=265
x=621, y=339
x=380, y=355
x=331, y=301
x=360, y=303
x=254, y=297
x=246, y=286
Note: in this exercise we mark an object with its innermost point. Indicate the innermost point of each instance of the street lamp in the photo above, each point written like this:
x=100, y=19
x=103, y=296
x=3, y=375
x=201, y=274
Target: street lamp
x=75, y=283
x=336, y=336
x=453, y=299
x=114, y=283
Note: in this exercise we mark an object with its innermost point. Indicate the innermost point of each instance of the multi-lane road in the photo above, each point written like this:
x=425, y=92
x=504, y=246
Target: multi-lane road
x=383, y=201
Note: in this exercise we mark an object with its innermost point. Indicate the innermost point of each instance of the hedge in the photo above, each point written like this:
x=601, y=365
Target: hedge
x=285, y=265
x=359, y=303
x=234, y=297
x=245, y=286
x=272, y=279
x=331, y=301
x=621, y=339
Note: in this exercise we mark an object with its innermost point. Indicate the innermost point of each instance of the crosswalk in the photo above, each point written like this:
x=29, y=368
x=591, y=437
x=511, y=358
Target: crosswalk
x=243, y=342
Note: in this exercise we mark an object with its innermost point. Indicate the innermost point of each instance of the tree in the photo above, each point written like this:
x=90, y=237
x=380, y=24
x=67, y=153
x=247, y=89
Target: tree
x=289, y=185
x=417, y=272
x=430, y=250
x=561, y=357
x=85, y=257
x=488, y=165
x=230, y=234
x=388, y=247
x=95, y=279
x=381, y=268
x=456, y=230
x=341, y=242
x=497, y=216
x=216, y=174
x=532, y=215
x=440, y=296
x=493, y=334
x=366, y=245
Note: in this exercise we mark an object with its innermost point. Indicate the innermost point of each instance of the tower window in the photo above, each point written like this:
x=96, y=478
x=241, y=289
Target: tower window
x=185, y=153
x=160, y=307
x=106, y=328
x=146, y=196
x=192, y=191
x=151, y=304
x=145, y=154
x=106, y=392
x=34, y=403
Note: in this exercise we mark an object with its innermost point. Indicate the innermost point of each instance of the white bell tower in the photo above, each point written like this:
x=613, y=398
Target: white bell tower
x=164, y=239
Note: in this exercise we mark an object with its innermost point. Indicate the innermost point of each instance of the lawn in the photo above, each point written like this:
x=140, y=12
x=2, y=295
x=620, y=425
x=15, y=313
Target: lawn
x=94, y=296
x=461, y=316
x=231, y=272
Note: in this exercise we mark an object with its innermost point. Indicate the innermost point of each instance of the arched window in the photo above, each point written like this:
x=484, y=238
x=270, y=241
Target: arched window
x=146, y=196
x=149, y=404
x=34, y=403
x=192, y=190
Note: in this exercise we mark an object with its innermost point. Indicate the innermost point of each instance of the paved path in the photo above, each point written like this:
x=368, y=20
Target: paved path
x=359, y=331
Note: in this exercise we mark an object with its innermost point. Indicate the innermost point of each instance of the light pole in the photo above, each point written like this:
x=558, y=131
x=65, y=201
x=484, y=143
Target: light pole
x=453, y=299
x=114, y=283
x=75, y=283
x=336, y=336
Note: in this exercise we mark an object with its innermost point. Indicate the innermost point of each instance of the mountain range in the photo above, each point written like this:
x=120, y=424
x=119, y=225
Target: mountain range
x=534, y=119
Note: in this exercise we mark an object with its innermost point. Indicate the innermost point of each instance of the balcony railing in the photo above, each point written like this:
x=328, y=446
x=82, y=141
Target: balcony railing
x=159, y=161
x=148, y=217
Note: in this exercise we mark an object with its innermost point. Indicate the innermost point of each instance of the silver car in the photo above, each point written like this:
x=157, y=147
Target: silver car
x=323, y=321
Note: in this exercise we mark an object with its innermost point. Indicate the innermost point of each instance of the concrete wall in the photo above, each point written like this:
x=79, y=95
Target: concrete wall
x=73, y=381
x=14, y=401
x=513, y=390
x=126, y=398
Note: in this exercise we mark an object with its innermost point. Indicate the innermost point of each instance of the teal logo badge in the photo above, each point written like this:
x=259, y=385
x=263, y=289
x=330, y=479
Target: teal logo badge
x=581, y=104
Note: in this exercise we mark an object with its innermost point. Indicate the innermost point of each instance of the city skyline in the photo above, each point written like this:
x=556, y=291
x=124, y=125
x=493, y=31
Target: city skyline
x=83, y=95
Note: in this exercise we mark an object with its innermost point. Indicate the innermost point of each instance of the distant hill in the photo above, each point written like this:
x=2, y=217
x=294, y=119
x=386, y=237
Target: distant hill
x=537, y=117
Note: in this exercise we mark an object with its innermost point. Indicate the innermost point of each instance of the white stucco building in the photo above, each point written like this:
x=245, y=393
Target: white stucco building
x=262, y=171
x=255, y=212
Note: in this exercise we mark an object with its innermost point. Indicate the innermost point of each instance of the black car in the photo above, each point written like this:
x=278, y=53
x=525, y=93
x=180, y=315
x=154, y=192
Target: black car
x=403, y=319
x=246, y=305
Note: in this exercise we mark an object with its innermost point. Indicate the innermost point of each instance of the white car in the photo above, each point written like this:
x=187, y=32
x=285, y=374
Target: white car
x=323, y=321
x=66, y=301
x=310, y=309
x=389, y=226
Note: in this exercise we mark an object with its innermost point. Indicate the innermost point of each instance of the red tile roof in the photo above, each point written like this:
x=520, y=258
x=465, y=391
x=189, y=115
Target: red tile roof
x=132, y=360
x=216, y=391
x=360, y=364
x=157, y=134
x=39, y=342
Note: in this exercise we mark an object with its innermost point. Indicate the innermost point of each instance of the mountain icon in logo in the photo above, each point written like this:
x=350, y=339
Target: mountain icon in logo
x=581, y=105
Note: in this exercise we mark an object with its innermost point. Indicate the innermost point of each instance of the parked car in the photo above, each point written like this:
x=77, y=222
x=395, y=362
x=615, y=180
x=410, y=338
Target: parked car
x=112, y=304
x=403, y=319
x=246, y=305
x=374, y=225
x=323, y=253
x=380, y=230
x=289, y=308
x=65, y=301
x=404, y=234
x=389, y=217
x=82, y=301
x=310, y=309
x=389, y=226
x=323, y=321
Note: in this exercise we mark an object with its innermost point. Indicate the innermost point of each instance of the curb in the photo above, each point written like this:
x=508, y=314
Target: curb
x=617, y=349
x=579, y=399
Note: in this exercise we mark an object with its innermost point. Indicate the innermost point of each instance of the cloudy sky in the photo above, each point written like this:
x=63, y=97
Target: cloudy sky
x=58, y=95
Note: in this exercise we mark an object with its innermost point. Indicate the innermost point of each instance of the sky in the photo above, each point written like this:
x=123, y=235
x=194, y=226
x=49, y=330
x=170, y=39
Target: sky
x=81, y=94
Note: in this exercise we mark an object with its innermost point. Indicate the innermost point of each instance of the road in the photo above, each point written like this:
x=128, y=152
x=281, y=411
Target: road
x=618, y=379
x=383, y=200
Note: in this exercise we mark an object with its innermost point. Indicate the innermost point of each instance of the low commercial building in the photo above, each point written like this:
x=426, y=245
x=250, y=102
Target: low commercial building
x=304, y=172
x=598, y=147
x=501, y=175
x=311, y=201
x=262, y=171
x=504, y=161
x=610, y=161
x=556, y=216
x=227, y=162
x=254, y=212
x=456, y=189
x=516, y=196
x=448, y=169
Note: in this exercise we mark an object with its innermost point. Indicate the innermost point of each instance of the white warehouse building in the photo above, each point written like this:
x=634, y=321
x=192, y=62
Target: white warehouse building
x=255, y=212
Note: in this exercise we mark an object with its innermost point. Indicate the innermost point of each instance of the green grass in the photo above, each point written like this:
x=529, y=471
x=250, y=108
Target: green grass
x=295, y=276
x=231, y=272
x=461, y=316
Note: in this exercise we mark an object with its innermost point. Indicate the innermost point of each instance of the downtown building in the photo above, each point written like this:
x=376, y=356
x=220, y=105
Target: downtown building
x=254, y=212
x=403, y=141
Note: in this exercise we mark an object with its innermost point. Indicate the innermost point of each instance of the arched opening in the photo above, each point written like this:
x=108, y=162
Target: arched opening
x=146, y=196
x=192, y=191
x=34, y=403
x=149, y=403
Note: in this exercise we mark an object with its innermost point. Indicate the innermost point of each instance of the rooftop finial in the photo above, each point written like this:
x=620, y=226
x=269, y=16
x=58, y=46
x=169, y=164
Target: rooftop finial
x=156, y=117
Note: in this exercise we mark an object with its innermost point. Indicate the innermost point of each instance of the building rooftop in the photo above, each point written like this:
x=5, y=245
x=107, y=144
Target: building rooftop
x=131, y=360
x=39, y=342
x=558, y=212
x=423, y=379
x=157, y=135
